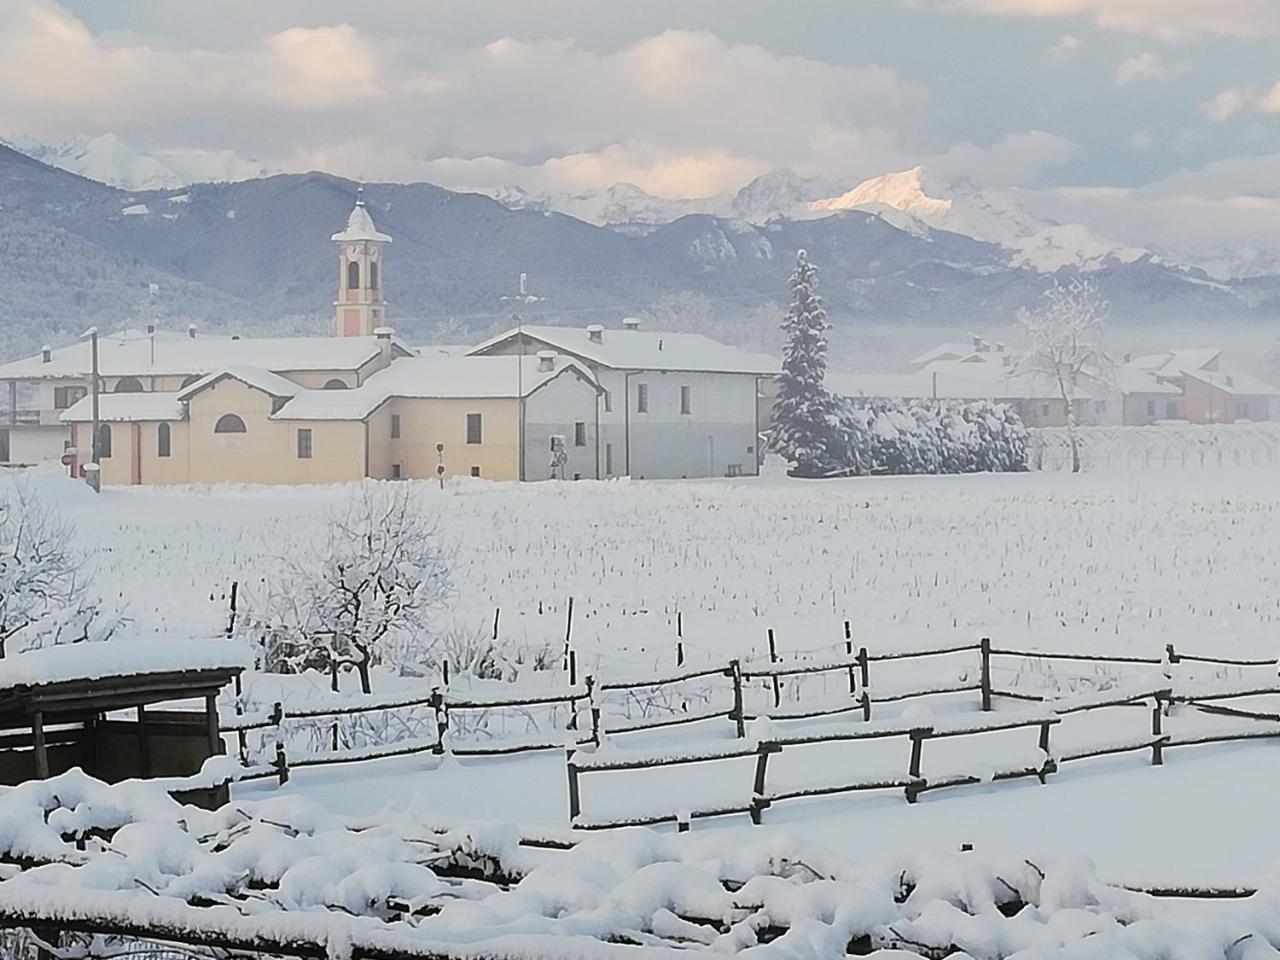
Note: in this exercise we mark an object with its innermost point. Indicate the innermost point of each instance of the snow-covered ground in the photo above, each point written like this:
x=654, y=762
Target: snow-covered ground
x=1104, y=562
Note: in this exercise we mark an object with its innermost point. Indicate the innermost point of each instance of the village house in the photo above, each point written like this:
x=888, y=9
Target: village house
x=672, y=405
x=1182, y=385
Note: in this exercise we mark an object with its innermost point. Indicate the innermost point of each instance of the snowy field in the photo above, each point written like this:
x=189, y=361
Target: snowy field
x=1104, y=562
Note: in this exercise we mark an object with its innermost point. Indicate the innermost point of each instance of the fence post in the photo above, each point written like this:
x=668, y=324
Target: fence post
x=864, y=671
x=497, y=611
x=985, y=647
x=735, y=713
x=758, y=801
x=1049, y=766
x=679, y=653
x=575, y=800
x=281, y=764
x=848, y=649
x=573, y=682
x=595, y=711
x=1157, y=730
x=913, y=769
x=442, y=720
x=773, y=658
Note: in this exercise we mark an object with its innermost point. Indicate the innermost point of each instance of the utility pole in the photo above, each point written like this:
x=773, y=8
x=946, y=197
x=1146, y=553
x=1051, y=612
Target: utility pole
x=93, y=473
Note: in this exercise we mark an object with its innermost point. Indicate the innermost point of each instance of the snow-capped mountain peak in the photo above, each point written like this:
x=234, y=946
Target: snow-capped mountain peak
x=109, y=159
x=903, y=191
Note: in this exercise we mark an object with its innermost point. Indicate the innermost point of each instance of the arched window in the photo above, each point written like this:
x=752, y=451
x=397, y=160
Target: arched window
x=104, y=440
x=164, y=441
x=353, y=275
x=188, y=381
x=229, y=423
x=373, y=275
x=128, y=385
x=336, y=384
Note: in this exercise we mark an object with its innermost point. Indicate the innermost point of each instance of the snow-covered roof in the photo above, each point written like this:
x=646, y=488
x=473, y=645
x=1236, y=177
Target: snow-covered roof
x=148, y=407
x=943, y=351
x=1129, y=378
x=432, y=377
x=622, y=349
x=120, y=658
x=1233, y=383
x=166, y=353
x=946, y=385
x=360, y=227
x=1187, y=361
x=259, y=379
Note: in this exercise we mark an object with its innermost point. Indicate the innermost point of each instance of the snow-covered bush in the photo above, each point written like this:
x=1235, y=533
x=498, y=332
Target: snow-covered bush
x=44, y=579
x=823, y=435
x=366, y=596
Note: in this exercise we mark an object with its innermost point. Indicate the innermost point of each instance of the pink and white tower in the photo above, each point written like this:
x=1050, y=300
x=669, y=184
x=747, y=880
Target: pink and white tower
x=360, y=308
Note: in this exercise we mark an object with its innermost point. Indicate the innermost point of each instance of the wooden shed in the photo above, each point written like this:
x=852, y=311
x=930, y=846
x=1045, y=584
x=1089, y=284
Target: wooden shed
x=118, y=710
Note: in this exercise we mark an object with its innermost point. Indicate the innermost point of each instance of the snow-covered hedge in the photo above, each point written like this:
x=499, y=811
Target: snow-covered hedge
x=918, y=437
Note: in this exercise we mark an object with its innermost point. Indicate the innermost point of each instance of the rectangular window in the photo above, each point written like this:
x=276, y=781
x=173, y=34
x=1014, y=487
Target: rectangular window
x=395, y=426
x=1151, y=408
x=304, y=443
x=1044, y=409
x=685, y=401
x=1171, y=410
x=608, y=459
x=580, y=434
x=1242, y=411
x=396, y=473
x=64, y=397
x=608, y=402
x=475, y=471
x=642, y=398
x=474, y=429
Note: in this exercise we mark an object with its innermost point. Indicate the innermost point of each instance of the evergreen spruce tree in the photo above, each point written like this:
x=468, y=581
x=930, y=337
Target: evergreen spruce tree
x=805, y=417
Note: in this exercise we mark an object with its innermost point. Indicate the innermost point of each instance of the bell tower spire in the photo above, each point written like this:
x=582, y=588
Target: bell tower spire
x=360, y=308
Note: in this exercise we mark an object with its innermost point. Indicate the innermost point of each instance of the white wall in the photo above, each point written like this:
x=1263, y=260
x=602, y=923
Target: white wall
x=719, y=430
x=554, y=409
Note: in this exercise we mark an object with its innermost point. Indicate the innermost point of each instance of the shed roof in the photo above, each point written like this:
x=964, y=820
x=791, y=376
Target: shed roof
x=114, y=407
x=622, y=349
x=120, y=659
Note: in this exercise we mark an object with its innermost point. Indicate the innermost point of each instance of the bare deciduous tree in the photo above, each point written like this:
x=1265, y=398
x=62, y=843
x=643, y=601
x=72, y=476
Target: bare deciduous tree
x=1064, y=337
x=44, y=594
x=366, y=596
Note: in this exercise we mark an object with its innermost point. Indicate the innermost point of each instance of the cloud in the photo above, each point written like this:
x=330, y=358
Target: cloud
x=1064, y=49
x=1144, y=66
x=1235, y=101
x=1015, y=159
x=1141, y=140
x=1164, y=18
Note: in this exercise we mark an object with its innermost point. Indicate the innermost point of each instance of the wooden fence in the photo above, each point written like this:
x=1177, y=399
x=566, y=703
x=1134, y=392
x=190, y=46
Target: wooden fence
x=1157, y=697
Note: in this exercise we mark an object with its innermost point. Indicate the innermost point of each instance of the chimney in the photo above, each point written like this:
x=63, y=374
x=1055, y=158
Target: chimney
x=631, y=323
x=546, y=361
x=46, y=354
x=383, y=335
x=977, y=342
x=151, y=329
x=191, y=330
x=1128, y=358
x=595, y=333
x=999, y=346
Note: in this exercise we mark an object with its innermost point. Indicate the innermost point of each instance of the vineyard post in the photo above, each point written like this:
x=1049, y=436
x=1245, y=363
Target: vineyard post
x=573, y=682
x=497, y=612
x=913, y=770
x=864, y=674
x=773, y=658
x=848, y=649
x=568, y=632
x=984, y=647
x=1157, y=730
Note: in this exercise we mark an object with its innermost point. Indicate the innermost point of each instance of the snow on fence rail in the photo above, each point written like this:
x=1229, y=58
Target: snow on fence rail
x=1157, y=697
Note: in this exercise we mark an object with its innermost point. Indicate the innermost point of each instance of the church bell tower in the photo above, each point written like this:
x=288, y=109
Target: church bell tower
x=360, y=308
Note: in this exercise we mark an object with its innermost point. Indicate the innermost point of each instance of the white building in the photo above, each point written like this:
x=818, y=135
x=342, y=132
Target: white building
x=673, y=405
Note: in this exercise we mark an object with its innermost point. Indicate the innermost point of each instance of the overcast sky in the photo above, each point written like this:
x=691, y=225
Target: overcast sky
x=1180, y=98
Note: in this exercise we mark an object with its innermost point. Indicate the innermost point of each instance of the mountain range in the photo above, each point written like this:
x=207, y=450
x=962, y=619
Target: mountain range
x=254, y=255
